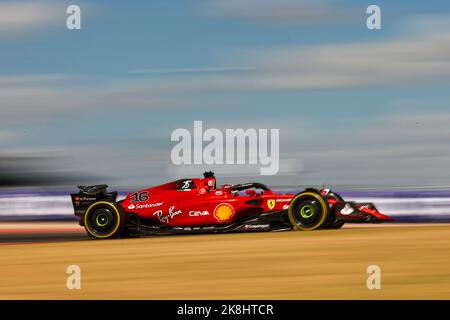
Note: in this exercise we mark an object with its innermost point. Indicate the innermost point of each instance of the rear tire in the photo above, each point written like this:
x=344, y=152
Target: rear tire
x=308, y=211
x=104, y=220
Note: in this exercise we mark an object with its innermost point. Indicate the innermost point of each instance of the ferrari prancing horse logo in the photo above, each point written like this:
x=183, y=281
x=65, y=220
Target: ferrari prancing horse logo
x=271, y=204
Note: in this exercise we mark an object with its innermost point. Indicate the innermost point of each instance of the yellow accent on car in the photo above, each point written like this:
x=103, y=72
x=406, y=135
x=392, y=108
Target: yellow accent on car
x=322, y=203
x=109, y=204
x=271, y=204
x=223, y=212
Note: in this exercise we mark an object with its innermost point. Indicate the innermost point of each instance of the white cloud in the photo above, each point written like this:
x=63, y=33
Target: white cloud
x=19, y=17
x=6, y=136
x=30, y=80
x=419, y=58
x=402, y=149
x=396, y=149
x=393, y=149
x=26, y=18
x=190, y=70
x=30, y=98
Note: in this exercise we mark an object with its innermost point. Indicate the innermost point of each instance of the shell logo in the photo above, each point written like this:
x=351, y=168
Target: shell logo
x=223, y=212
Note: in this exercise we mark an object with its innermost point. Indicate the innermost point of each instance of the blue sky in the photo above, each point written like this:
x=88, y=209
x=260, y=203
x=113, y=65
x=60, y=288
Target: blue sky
x=310, y=68
x=118, y=37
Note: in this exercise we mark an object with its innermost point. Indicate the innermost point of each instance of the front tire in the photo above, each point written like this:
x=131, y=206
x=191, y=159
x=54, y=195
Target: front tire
x=335, y=225
x=308, y=211
x=104, y=220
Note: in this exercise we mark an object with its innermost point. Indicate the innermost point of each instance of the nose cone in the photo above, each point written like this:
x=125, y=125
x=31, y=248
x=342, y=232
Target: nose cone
x=376, y=214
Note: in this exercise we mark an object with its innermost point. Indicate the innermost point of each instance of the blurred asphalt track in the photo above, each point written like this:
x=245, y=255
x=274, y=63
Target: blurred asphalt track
x=23, y=232
x=43, y=232
x=39, y=239
x=328, y=264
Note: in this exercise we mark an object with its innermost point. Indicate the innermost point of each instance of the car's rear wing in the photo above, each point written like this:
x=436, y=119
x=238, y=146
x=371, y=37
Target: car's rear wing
x=94, y=189
x=88, y=195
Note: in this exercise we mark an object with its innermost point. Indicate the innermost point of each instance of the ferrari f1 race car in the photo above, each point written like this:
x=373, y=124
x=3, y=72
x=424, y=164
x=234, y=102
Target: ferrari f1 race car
x=196, y=205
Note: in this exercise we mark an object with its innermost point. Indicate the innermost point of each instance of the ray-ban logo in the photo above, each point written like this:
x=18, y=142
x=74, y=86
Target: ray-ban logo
x=235, y=146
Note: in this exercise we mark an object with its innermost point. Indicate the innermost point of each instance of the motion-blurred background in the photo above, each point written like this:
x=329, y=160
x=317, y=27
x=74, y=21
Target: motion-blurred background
x=356, y=108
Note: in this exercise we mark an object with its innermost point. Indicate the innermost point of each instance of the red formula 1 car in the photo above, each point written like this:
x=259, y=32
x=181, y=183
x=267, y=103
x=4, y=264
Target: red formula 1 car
x=198, y=206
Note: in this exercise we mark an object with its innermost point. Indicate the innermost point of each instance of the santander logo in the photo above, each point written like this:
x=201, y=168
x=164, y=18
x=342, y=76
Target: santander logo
x=145, y=206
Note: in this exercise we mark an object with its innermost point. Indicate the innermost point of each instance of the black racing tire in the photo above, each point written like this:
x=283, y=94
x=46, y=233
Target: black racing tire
x=308, y=211
x=335, y=225
x=338, y=224
x=104, y=220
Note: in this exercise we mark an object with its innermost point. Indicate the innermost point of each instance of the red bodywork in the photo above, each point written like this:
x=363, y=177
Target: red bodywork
x=197, y=202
